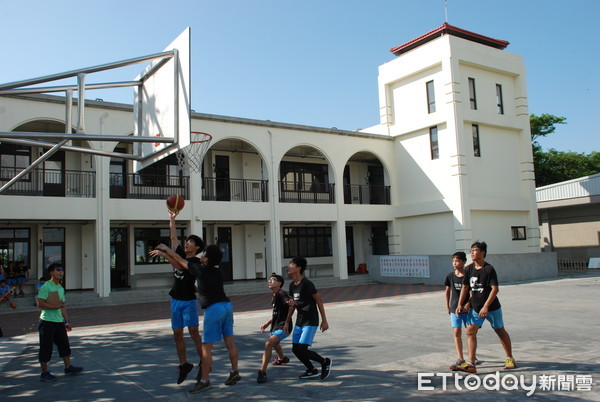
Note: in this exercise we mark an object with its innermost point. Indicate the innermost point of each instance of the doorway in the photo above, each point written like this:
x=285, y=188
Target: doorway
x=224, y=243
x=350, y=249
x=222, y=178
x=119, y=263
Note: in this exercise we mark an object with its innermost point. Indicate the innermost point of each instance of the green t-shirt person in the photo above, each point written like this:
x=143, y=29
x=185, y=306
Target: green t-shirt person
x=53, y=315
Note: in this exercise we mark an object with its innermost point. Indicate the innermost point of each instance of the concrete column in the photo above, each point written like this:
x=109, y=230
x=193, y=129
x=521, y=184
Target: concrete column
x=102, y=287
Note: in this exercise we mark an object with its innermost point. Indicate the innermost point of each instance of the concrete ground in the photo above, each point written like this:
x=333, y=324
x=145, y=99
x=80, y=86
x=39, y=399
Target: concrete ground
x=379, y=347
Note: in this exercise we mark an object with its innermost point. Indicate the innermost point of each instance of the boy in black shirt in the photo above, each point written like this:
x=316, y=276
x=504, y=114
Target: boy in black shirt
x=481, y=279
x=184, y=307
x=306, y=300
x=277, y=322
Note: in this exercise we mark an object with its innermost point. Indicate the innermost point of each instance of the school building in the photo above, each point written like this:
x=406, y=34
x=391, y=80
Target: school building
x=450, y=163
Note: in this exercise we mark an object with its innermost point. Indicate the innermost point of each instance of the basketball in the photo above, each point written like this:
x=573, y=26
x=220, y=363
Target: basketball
x=175, y=202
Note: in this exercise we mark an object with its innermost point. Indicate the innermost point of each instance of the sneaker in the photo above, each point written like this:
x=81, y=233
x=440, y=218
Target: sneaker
x=47, y=377
x=314, y=373
x=326, y=368
x=454, y=367
x=510, y=363
x=262, y=377
x=279, y=362
x=200, y=386
x=13, y=306
x=184, y=370
x=73, y=369
x=234, y=377
x=467, y=367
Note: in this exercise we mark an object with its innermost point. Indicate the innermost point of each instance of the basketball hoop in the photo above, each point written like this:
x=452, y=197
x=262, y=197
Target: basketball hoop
x=190, y=158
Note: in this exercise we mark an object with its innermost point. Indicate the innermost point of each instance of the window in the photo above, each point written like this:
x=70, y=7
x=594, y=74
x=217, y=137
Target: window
x=499, y=102
x=311, y=177
x=430, y=97
x=13, y=159
x=476, y=149
x=472, y=96
x=54, y=246
x=14, y=246
x=146, y=239
x=307, y=242
x=518, y=232
x=433, y=143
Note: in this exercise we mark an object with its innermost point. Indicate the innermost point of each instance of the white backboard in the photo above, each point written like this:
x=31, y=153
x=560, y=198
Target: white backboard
x=162, y=103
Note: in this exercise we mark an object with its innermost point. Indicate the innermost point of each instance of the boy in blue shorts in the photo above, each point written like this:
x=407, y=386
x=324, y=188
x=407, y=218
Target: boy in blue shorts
x=184, y=306
x=481, y=279
x=277, y=322
x=218, y=310
x=453, y=283
x=306, y=300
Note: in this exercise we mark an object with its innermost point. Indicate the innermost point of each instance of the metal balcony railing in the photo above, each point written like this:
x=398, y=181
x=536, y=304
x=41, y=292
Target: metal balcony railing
x=317, y=193
x=148, y=187
x=366, y=194
x=217, y=189
x=51, y=183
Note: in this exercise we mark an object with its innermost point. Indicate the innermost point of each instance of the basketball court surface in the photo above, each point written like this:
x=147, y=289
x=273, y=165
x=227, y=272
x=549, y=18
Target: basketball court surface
x=378, y=346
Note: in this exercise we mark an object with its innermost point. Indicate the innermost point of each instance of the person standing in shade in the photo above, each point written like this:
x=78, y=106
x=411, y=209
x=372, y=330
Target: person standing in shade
x=54, y=323
x=218, y=310
x=184, y=306
x=276, y=323
x=307, y=301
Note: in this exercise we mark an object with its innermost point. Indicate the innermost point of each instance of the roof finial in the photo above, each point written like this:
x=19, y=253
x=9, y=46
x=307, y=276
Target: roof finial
x=446, y=9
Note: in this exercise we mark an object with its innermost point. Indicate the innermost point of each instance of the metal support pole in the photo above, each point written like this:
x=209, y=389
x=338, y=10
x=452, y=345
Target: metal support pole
x=81, y=103
x=69, y=111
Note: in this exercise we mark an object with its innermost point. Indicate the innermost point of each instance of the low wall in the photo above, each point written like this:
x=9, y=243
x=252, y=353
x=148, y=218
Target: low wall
x=509, y=267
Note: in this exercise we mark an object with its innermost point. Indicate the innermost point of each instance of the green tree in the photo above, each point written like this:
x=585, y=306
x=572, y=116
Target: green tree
x=554, y=166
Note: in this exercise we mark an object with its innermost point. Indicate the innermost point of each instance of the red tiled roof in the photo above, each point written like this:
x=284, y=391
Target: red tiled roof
x=450, y=30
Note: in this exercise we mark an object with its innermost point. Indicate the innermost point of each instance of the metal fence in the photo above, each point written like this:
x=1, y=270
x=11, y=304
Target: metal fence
x=217, y=189
x=565, y=264
x=51, y=183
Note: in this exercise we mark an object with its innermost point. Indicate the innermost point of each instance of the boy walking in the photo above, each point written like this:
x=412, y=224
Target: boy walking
x=481, y=279
x=306, y=300
x=54, y=323
x=277, y=322
x=454, y=283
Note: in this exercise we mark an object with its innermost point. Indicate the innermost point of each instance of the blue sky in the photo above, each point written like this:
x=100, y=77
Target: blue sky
x=311, y=62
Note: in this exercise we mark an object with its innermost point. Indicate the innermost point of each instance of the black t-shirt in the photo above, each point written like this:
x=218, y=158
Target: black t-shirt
x=210, y=284
x=481, y=281
x=455, y=283
x=305, y=303
x=184, y=282
x=280, y=310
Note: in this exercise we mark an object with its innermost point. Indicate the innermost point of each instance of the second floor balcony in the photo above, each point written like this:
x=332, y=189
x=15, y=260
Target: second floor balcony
x=147, y=186
x=51, y=183
x=366, y=194
x=226, y=189
x=315, y=193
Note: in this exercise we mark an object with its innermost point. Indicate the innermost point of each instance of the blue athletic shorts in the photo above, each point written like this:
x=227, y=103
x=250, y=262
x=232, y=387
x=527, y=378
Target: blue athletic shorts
x=184, y=313
x=459, y=320
x=280, y=334
x=21, y=280
x=11, y=281
x=218, y=322
x=494, y=317
x=304, y=334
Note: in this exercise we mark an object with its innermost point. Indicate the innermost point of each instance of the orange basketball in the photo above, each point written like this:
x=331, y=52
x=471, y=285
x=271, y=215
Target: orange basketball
x=175, y=202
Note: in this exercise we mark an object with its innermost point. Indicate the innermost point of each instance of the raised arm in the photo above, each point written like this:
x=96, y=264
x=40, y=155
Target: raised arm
x=173, y=229
x=172, y=257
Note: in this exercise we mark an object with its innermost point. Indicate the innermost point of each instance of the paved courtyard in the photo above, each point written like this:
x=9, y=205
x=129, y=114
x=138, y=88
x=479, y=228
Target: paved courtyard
x=379, y=346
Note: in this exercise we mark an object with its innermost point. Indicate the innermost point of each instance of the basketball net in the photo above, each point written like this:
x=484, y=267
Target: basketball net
x=190, y=158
